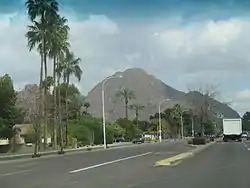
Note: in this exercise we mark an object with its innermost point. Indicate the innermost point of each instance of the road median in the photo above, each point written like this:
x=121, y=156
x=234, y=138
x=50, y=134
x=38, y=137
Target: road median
x=172, y=161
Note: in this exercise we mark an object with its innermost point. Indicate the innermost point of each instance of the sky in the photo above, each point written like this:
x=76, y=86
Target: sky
x=185, y=43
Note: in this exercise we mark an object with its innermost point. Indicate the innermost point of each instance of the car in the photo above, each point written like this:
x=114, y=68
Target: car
x=244, y=135
x=139, y=139
x=248, y=136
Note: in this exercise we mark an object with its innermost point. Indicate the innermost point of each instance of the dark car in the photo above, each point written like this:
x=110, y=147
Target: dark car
x=248, y=136
x=244, y=134
x=138, y=139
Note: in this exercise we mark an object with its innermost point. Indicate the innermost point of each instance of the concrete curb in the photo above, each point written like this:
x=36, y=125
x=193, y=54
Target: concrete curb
x=67, y=151
x=178, y=158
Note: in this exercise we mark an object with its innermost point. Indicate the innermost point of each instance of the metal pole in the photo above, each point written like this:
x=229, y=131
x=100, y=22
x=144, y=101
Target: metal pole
x=103, y=109
x=159, y=111
x=103, y=119
x=192, y=127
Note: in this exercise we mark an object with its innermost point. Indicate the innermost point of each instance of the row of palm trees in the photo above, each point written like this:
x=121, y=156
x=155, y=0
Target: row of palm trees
x=48, y=34
x=127, y=95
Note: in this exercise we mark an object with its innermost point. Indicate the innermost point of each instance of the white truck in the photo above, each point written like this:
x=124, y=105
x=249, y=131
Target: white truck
x=232, y=129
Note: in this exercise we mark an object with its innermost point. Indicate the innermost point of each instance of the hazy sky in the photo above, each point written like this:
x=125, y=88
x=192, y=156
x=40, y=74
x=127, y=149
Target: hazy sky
x=182, y=42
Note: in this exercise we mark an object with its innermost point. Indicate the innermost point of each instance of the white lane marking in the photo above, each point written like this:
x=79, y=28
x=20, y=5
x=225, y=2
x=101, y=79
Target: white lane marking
x=15, y=173
x=109, y=162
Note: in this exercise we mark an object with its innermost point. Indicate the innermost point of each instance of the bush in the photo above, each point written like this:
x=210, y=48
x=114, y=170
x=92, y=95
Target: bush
x=199, y=141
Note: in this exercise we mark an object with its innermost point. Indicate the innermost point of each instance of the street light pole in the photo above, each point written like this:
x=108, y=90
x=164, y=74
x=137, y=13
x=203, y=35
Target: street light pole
x=159, y=111
x=192, y=126
x=159, y=116
x=103, y=119
x=103, y=109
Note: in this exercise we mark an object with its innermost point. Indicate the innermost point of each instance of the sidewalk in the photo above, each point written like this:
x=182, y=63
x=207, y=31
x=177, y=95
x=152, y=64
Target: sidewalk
x=55, y=152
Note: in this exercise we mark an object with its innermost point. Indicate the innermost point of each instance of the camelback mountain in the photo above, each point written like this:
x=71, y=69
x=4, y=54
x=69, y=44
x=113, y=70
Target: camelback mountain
x=149, y=91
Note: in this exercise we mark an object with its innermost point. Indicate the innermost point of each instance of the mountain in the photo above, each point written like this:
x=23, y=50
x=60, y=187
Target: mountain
x=26, y=99
x=149, y=91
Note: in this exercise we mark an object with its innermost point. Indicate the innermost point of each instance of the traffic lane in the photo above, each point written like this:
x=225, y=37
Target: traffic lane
x=246, y=143
x=58, y=177
x=224, y=165
x=11, y=165
x=83, y=158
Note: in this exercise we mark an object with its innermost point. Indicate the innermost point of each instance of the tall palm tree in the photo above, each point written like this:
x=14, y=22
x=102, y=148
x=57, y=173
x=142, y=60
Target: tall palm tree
x=58, y=47
x=34, y=36
x=41, y=9
x=177, y=113
x=40, y=12
x=137, y=108
x=127, y=95
x=58, y=71
x=70, y=66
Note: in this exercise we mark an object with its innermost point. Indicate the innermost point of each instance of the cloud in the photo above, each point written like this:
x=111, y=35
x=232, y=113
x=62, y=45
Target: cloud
x=243, y=95
x=179, y=53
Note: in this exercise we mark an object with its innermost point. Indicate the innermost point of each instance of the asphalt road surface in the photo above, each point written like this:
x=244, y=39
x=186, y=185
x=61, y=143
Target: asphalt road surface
x=224, y=165
x=111, y=168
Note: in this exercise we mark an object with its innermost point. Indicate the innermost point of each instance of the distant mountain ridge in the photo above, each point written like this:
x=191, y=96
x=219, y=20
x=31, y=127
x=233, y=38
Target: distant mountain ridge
x=149, y=91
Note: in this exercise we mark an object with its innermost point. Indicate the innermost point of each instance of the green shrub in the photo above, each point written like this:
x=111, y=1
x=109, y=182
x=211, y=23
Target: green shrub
x=199, y=141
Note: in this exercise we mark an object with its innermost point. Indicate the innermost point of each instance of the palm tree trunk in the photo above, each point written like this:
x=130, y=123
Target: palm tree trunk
x=55, y=104
x=45, y=97
x=39, y=122
x=137, y=119
x=60, y=114
x=66, y=110
x=126, y=108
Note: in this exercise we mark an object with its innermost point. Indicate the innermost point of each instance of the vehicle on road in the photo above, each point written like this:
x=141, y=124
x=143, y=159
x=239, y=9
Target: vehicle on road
x=139, y=139
x=248, y=136
x=232, y=129
x=244, y=135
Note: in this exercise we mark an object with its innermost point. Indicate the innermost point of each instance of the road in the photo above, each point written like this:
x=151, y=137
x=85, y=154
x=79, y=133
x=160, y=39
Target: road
x=224, y=165
x=90, y=169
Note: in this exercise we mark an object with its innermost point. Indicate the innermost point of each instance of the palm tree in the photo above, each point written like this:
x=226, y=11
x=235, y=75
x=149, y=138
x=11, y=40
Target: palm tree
x=137, y=108
x=34, y=39
x=58, y=71
x=41, y=9
x=58, y=47
x=177, y=113
x=127, y=95
x=70, y=66
x=76, y=102
x=40, y=13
